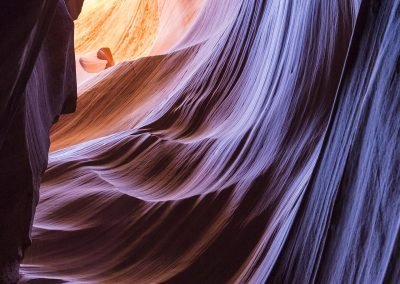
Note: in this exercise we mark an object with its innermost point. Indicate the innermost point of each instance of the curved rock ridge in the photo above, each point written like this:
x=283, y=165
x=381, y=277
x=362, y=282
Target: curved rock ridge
x=176, y=18
x=257, y=143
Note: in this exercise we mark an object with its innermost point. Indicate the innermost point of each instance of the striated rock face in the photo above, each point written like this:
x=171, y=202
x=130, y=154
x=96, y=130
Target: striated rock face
x=347, y=227
x=38, y=83
x=258, y=145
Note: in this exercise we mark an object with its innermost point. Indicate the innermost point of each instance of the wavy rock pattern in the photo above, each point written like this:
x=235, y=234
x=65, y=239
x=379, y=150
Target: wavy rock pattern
x=257, y=145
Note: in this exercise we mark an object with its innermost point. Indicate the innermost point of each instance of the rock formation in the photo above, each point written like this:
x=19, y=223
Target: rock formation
x=37, y=84
x=96, y=62
x=244, y=141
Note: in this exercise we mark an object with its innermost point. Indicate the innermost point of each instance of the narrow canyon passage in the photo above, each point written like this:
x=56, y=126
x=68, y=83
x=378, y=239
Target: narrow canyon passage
x=204, y=141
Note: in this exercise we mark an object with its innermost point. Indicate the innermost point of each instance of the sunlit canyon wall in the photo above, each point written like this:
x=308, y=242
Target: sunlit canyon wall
x=212, y=141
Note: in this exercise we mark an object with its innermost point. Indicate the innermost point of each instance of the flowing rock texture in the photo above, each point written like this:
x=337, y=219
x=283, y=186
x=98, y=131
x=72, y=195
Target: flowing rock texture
x=233, y=141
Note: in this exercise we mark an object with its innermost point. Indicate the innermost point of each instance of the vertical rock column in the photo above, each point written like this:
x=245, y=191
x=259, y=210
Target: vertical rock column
x=37, y=84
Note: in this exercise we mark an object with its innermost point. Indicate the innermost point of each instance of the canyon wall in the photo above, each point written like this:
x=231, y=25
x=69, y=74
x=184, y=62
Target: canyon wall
x=242, y=141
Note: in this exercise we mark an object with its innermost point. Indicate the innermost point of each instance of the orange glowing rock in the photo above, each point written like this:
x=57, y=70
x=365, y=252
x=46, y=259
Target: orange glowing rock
x=95, y=62
x=104, y=53
x=127, y=27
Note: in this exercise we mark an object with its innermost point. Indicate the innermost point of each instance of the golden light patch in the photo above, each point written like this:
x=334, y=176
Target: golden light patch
x=127, y=27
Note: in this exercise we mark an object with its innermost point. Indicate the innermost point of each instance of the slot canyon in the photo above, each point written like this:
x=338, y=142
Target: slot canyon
x=200, y=141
